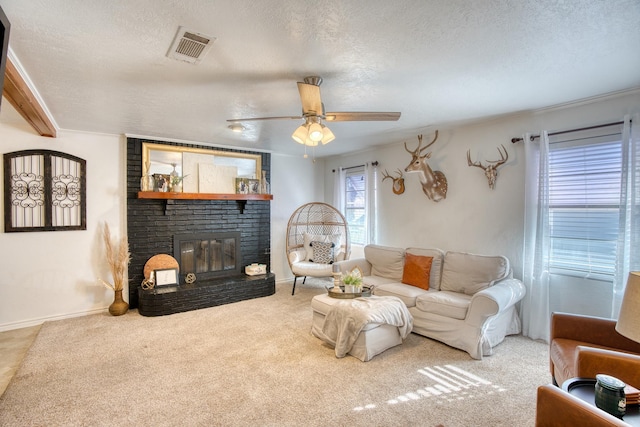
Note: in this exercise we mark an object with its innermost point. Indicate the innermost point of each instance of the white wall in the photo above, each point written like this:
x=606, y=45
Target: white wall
x=50, y=275
x=294, y=182
x=473, y=217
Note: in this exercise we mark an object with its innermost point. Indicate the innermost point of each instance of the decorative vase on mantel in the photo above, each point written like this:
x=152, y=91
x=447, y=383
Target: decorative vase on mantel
x=176, y=188
x=119, y=305
x=265, y=188
x=146, y=183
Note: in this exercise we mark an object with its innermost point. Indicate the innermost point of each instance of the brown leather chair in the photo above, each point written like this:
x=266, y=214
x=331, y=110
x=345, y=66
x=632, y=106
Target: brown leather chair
x=557, y=408
x=583, y=346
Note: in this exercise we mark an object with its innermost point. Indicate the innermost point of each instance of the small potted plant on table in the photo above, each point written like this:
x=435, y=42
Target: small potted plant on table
x=352, y=281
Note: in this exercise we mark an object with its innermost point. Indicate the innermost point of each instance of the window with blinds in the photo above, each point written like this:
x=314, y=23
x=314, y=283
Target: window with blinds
x=584, y=199
x=355, y=202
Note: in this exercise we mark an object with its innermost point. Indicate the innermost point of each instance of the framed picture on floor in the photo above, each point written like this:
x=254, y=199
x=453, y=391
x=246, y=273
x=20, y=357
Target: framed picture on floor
x=165, y=277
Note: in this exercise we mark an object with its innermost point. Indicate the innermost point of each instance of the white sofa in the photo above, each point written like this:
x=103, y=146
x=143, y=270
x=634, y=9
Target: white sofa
x=470, y=301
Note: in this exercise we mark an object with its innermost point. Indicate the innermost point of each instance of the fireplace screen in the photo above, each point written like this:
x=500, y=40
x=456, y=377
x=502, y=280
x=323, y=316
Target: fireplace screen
x=208, y=255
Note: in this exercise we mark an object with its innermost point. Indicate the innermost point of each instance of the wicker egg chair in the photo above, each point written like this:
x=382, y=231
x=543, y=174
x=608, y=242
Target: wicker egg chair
x=315, y=222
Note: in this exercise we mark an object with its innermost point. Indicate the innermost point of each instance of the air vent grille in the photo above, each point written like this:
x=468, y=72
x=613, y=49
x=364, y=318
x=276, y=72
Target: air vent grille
x=190, y=46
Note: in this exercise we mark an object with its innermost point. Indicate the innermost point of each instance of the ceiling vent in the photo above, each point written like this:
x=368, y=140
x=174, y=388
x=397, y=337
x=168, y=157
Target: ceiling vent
x=190, y=46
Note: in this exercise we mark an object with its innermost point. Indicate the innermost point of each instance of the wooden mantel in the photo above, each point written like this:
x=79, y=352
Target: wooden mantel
x=18, y=93
x=169, y=197
x=201, y=196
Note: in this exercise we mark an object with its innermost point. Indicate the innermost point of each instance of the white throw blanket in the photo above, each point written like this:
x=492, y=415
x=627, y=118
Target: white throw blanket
x=345, y=320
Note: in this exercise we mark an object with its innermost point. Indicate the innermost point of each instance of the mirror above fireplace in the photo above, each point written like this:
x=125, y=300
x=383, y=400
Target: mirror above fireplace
x=203, y=170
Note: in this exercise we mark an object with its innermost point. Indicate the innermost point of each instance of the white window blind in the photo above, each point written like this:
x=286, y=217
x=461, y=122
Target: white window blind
x=355, y=202
x=584, y=199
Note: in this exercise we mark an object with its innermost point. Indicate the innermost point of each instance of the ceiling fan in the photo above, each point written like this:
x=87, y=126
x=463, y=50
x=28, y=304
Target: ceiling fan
x=313, y=131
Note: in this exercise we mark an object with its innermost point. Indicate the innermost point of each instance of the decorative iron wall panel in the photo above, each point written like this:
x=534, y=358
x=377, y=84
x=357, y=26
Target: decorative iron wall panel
x=44, y=190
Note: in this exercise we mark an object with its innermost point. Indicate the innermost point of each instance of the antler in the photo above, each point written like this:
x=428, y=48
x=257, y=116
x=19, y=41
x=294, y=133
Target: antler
x=430, y=144
x=503, y=157
x=415, y=152
x=476, y=164
x=420, y=150
x=386, y=175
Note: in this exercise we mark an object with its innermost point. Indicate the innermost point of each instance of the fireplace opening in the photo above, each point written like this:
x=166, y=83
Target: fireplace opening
x=208, y=255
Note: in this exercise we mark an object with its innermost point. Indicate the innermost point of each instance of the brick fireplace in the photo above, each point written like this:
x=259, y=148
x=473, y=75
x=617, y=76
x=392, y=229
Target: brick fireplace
x=153, y=227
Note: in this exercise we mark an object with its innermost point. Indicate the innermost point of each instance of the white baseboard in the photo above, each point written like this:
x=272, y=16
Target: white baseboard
x=285, y=280
x=39, y=321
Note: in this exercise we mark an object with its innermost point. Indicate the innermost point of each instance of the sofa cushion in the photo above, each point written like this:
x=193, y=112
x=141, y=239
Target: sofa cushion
x=436, y=264
x=335, y=239
x=417, y=270
x=385, y=261
x=313, y=269
x=406, y=293
x=322, y=252
x=373, y=281
x=444, y=303
x=468, y=273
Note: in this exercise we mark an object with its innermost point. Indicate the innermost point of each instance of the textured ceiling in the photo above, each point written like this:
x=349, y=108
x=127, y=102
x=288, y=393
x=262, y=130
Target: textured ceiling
x=101, y=66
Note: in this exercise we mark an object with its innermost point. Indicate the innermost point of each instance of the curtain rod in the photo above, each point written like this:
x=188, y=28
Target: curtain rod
x=375, y=163
x=514, y=140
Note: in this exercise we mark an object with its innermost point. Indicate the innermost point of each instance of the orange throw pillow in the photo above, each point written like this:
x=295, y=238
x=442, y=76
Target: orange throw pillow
x=417, y=270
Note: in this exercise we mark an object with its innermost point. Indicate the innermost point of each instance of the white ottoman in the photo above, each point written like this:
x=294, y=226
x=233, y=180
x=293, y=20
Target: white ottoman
x=373, y=339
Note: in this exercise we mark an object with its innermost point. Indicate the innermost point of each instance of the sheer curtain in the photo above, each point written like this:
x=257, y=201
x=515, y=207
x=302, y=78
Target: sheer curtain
x=338, y=189
x=535, y=305
x=371, y=189
x=628, y=249
x=371, y=197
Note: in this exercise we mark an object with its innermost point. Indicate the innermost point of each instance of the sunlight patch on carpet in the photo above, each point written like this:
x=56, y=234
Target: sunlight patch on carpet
x=450, y=383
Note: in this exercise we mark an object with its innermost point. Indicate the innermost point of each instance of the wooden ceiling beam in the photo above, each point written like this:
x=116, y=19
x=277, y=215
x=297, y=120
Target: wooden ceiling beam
x=18, y=93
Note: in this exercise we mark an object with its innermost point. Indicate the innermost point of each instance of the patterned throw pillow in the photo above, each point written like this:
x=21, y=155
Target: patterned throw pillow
x=322, y=252
x=308, y=238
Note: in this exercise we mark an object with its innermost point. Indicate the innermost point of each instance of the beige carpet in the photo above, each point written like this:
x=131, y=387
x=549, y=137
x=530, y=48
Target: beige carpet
x=255, y=363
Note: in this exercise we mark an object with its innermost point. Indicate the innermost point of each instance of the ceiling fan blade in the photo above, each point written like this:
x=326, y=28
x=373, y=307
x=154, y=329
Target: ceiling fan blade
x=361, y=116
x=253, y=119
x=310, y=98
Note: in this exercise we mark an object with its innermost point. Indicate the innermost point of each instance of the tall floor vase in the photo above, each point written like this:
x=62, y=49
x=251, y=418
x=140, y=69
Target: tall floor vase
x=119, y=305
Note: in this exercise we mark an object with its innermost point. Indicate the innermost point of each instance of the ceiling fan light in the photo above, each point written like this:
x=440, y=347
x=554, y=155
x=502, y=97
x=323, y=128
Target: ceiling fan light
x=301, y=134
x=327, y=135
x=315, y=132
x=310, y=142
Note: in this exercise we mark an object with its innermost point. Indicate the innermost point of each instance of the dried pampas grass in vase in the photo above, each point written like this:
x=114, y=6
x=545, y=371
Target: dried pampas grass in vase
x=118, y=258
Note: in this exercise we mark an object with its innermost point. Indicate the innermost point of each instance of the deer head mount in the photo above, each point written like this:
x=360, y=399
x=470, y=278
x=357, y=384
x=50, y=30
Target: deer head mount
x=398, y=182
x=434, y=183
x=490, y=170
